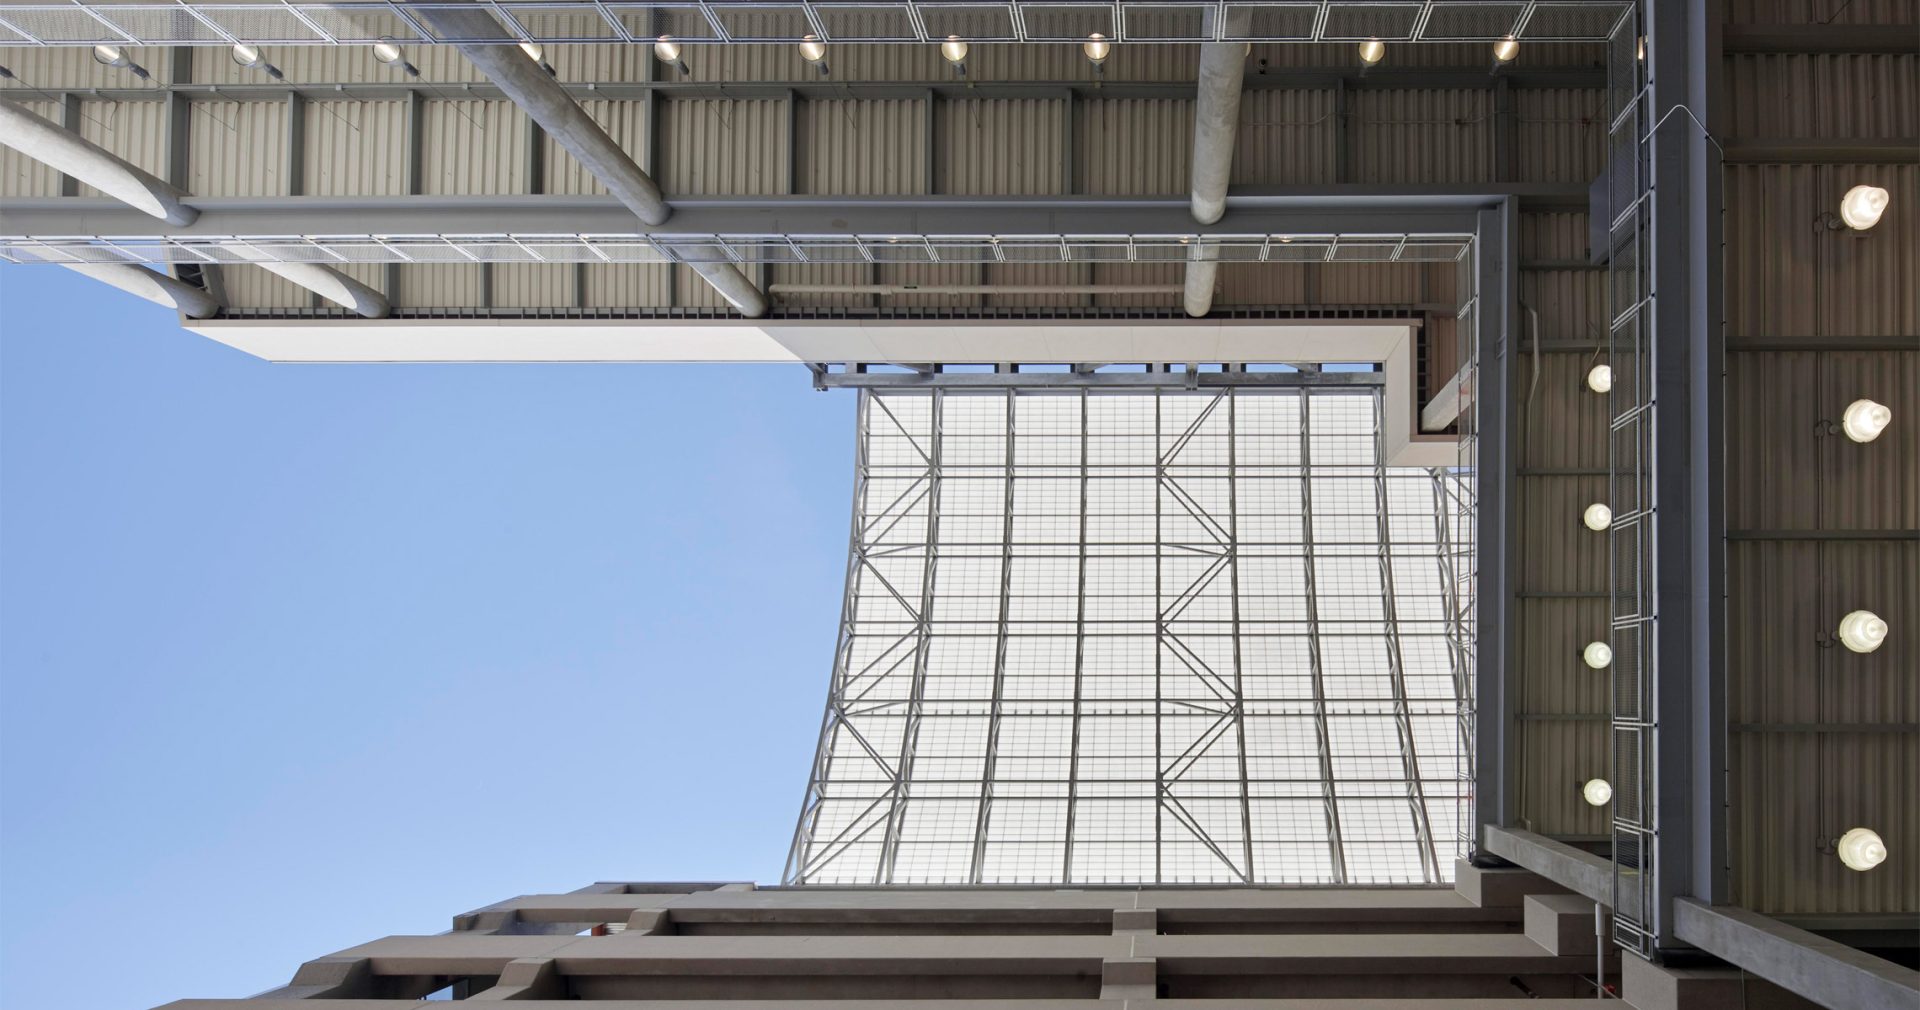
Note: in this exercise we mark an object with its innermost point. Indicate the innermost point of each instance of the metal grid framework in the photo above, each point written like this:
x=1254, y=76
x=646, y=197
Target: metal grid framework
x=1631, y=537
x=1142, y=637
x=201, y=22
x=657, y=248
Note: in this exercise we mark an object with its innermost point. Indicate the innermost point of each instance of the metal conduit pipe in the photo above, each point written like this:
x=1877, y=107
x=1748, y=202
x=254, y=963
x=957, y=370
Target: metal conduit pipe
x=1216, y=119
x=155, y=287
x=67, y=152
x=548, y=104
x=973, y=289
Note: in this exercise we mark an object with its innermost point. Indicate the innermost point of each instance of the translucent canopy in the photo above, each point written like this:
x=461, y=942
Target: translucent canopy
x=1142, y=637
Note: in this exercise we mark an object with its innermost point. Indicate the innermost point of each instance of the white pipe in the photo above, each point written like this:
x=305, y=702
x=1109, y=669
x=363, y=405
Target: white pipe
x=69, y=153
x=153, y=286
x=1201, y=273
x=1216, y=120
x=973, y=289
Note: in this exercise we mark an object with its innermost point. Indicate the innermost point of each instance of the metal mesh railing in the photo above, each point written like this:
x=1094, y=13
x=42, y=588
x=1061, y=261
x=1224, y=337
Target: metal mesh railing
x=203, y=22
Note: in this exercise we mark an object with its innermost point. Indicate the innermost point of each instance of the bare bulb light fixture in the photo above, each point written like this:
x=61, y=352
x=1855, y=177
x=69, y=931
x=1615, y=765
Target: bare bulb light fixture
x=249, y=57
x=1598, y=655
x=386, y=52
x=1865, y=420
x=114, y=56
x=667, y=51
x=1597, y=517
x=814, y=51
x=1600, y=378
x=1096, y=49
x=1863, y=631
x=954, y=50
x=1861, y=208
x=1372, y=51
x=1506, y=50
x=1596, y=792
x=538, y=54
x=1861, y=849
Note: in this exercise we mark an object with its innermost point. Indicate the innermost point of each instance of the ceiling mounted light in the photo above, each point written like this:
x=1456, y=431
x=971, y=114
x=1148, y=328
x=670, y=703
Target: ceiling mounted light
x=1600, y=378
x=1506, y=50
x=1372, y=51
x=1598, y=655
x=1597, y=517
x=1097, y=48
x=1861, y=208
x=1596, y=792
x=667, y=51
x=114, y=56
x=954, y=49
x=537, y=53
x=249, y=57
x=386, y=52
x=1865, y=420
x=814, y=51
x=1861, y=849
x=1863, y=631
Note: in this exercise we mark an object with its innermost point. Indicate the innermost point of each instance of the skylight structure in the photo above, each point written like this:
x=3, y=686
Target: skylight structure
x=1097, y=636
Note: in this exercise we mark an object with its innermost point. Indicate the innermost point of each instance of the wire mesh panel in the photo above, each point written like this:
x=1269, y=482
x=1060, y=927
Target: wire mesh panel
x=1630, y=489
x=1141, y=637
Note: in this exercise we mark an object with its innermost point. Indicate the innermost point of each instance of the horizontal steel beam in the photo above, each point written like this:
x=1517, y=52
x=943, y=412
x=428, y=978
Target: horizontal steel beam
x=1819, y=39
x=1765, y=151
x=1825, y=971
x=1089, y=380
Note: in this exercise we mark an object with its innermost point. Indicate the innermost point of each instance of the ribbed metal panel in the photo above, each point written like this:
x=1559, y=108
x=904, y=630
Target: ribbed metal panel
x=625, y=120
x=1373, y=284
x=57, y=68
x=823, y=273
x=626, y=285
x=1554, y=680
x=1874, y=485
x=861, y=148
x=136, y=131
x=439, y=285
x=691, y=291
x=1003, y=146
x=1138, y=273
x=355, y=149
x=1560, y=133
x=1787, y=278
x=1133, y=146
x=1421, y=135
x=1559, y=235
x=1814, y=12
x=237, y=149
x=21, y=175
x=250, y=287
x=1263, y=284
x=1571, y=304
x=1852, y=97
x=1286, y=137
x=710, y=146
x=453, y=131
x=1560, y=423
x=1558, y=553
x=1555, y=757
x=532, y=285
x=442, y=65
x=931, y=273
x=1035, y=275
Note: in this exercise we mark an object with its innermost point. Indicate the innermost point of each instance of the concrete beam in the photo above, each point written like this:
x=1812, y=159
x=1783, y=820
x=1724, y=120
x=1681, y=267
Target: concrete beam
x=154, y=286
x=1577, y=870
x=1216, y=120
x=1563, y=923
x=1499, y=887
x=524, y=979
x=1447, y=405
x=67, y=152
x=1829, y=973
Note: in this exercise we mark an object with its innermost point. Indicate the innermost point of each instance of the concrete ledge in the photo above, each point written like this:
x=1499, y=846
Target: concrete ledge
x=1829, y=973
x=1499, y=888
x=1562, y=923
x=1649, y=986
x=1129, y=978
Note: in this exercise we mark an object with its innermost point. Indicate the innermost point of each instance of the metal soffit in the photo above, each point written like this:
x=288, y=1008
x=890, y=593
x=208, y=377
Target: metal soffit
x=207, y=22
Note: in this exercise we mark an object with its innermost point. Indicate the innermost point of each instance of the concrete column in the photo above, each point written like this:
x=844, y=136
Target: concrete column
x=334, y=286
x=549, y=105
x=66, y=151
x=1216, y=119
x=153, y=286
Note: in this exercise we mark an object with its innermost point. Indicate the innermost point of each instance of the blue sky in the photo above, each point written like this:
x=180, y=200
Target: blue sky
x=292, y=657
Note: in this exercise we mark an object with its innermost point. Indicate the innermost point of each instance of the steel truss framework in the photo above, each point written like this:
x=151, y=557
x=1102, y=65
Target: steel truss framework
x=694, y=248
x=1166, y=636
x=287, y=22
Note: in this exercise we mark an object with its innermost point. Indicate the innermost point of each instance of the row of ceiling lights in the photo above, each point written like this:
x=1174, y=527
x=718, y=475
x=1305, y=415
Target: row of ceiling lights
x=1860, y=630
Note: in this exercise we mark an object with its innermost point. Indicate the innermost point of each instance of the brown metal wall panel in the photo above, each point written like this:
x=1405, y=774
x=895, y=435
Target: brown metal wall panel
x=1560, y=133
x=454, y=131
x=1559, y=553
x=624, y=120
x=1834, y=97
x=861, y=148
x=1034, y=275
x=1818, y=12
x=21, y=175
x=1133, y=146
x=1560, y=423
x=1263, y=284
x=1571, y=305
x=1139, y=273
x=136, y=131
x=723, y=146
x=1554, y=680
x=1421, y=135
x=1555, y=758
x=1786, y=277
x=1771, y=413
x=355, y=148
x=1000, y=146
x=1557, y=235
x=1873, y=485
x=626, y=285
x=1287, y=136
x=237, y=149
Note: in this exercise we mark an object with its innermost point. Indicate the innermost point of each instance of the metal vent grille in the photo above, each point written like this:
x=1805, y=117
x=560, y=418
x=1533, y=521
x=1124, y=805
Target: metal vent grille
x=975, y=22
x=1572, y=21
x=1168, y=22
x=144, y=23
x=1067, y=22
x=764, y=24
x=69, y=25
x=262, y=25
x=354, y=25
x=548, y=24
x=1358, y=22
x=867, y=23
x=1273, y=21
x=1474, y=21
x=666, y=20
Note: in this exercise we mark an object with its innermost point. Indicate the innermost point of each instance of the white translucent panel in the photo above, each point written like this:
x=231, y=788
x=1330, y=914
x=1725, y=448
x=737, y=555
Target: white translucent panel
x=1179, y=637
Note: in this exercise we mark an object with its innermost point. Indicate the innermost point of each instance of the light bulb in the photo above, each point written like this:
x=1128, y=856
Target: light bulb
x=1862, y=849
x=812, y=49
x=954, y=49
x=534, y=50
x=1865, y=420
x=666, y=50
x=1097, y=48
x=1598, y=655
x=1862, y=206
x=1596, y=792
x=386, y=52
x=1862, y=631
x=246, y=55
x=1640, y=49
x=110, y=56
x=1372, y=51
x=1597, y=517
x=1506, y=49
x=1600, y=378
